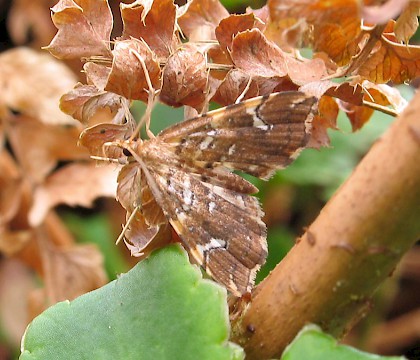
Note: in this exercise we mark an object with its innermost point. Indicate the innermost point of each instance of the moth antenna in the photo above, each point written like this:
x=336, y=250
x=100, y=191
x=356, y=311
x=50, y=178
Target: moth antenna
x=248, y=85
x=127, y=224
x=151, y=101
x=101, y=158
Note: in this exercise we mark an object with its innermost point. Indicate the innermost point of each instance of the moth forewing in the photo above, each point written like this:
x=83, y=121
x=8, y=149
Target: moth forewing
x=257, y=136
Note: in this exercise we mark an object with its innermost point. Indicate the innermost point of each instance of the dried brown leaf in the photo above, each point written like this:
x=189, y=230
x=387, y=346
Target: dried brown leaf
x=408, y=22
x=185, y=78
x=143, y=20
x=16, y=282
x=71, y=271
x=39, y=147
x=237, y=80
x=349, y=92
x=77, y=184
x=256, y=55
x=336, y=26
x=95, y=138
x=141, y=239
x=29, y=22
x=24, y=74
x=391, y=60
x=229, y=27
x=91, y=106
x=13, y=242
x=96, y=74
x=127, y=77
x=84, y=29
x=201, y=18
x=327, y=119
x=10, y=188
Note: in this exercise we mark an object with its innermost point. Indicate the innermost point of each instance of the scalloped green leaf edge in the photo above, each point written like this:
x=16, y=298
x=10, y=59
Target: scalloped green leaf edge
x=312, y=344
x=160, y=309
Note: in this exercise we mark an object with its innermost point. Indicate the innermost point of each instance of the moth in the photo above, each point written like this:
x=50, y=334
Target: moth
x=184, y=176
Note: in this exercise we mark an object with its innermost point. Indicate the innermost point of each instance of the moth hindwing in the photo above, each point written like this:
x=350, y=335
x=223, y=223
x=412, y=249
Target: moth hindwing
x=187, y=168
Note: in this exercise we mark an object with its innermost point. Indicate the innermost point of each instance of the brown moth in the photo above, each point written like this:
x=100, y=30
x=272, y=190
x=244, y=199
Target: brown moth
x=184, y=176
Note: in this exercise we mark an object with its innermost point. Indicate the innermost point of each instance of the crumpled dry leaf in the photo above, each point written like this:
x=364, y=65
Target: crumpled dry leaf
x=349, y=92
x=143, y=20
x=391, y=60
x=336, y=27
x=10, y=188
x=95, y=138
x=185, y=78
x=92, y=106
x=84, y=29
x=16, y=282
x=96, y=74
x=201, y=18
x=77, y=184
x=237, y=80
x=408, y=22
x=13, y=242
x=141, y=240
x=29, y=22
x=380, y=94
x=39, y=147
x=254, y=54
x=127, y=77
x=134, y=191
x=229, y=27
x=327, y=119
x=71, y=271
x=23, y=75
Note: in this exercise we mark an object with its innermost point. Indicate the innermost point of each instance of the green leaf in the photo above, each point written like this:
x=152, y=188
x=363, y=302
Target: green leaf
x=161, y=309
x=312, y=344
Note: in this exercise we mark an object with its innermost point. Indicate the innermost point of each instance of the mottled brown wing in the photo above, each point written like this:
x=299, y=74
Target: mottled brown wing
x=256, y=136
x=220, y=227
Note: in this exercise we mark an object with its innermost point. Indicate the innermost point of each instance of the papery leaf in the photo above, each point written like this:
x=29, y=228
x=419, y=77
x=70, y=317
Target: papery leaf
x=97, y=74
x=229, y=27
x=185, y=78
x=408, y=22
x=253, y=53
x=84, y=29
x=201, y=18
x=10, y=188
x=29, y=23
x=39, y=147
x=95, y=138
x=327, y=119
x=143, y=20
x=335, y=28
x=127, y=77
x=141, y=239
x=391, y=61
x=237, y=80
x=77, y=184
x=90, y=106
x=71, y=271
x=23, y=88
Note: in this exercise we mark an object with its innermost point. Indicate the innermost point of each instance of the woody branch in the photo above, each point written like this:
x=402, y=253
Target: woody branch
x=355, y=243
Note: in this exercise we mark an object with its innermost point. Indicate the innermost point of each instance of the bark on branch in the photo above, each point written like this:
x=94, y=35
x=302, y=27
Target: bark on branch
x=357, y=240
